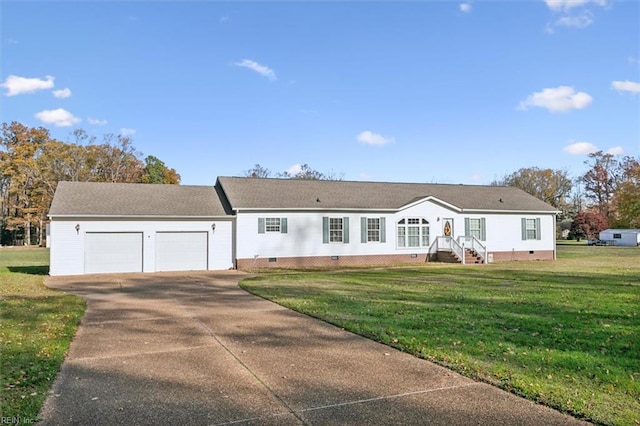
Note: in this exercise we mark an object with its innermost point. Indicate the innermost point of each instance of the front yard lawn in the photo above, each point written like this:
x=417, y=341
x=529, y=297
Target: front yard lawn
x=36, y=327
x=564, y=333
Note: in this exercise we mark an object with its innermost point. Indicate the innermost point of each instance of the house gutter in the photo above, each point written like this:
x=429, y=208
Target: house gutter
x=355, y=209
x=153, y=217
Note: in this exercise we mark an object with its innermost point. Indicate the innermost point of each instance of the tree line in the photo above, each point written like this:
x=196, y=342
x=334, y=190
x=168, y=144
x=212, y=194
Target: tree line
x=304, y=171
x=606, y=195
x=32, y=163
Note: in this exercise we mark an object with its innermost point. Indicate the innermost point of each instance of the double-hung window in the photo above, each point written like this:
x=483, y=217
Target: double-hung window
x=413, y=232
x=335, y=230
x=531, y=229
x=475, y=227
x=272, y=224
x=372, y=230
x=267, y=225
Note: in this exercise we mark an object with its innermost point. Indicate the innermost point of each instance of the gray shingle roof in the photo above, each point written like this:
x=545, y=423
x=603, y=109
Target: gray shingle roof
x=133, y=199
x=256, y=193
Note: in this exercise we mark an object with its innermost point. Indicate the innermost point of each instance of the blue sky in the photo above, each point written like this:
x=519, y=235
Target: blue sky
x=414, y=91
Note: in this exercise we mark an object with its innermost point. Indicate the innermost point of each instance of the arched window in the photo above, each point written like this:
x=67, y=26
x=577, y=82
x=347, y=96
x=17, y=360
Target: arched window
x=413, y=232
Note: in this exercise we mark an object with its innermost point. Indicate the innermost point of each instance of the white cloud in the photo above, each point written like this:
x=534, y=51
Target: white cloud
x=557, y=99
x=580, y=148
x=223, y=19
x=633, y=60
x=127, y=132
x=574, y=13
x=96, y=122
x=369, y=138
x=584, y=148
x=58, y=117
x=616, y=150
x=565, y=5
x=62, y=93
x=626, y=86
x=365, y=176
x=465, y=7
x=295, y=169
x=259, y=68
x=578, y=21
x=17, y=85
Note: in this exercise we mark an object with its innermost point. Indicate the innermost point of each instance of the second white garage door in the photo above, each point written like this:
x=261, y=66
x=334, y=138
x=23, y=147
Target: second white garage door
x=181, y=251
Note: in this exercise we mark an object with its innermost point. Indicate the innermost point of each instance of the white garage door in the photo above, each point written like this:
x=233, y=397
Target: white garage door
x=113, y=252
x=181, y=251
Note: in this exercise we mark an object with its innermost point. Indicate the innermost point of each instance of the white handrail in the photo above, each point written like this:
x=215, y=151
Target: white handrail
x=458, y=249
x=472, y=243
x=449, y=244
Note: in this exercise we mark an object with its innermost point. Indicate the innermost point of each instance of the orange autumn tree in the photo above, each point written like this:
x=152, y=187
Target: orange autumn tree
x=32, y=164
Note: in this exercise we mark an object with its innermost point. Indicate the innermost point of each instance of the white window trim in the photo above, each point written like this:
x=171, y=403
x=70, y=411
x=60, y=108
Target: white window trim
x=536, y=228
x=333, y=232
x=421, y=225
x=272, y=225
x=373, y=229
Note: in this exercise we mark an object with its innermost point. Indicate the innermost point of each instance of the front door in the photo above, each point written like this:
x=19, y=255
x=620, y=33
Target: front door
x=447, y=227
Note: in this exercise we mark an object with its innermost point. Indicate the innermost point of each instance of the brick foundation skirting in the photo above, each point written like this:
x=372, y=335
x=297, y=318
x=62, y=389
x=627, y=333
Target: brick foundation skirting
x=373, y=260
x=330, y=261
x=509, y=256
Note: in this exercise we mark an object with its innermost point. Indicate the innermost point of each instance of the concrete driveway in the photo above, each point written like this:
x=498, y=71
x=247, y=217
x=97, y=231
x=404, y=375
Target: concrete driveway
x=193, y=348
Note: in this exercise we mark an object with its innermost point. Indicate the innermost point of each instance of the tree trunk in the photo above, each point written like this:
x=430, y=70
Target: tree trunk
x=27, y=232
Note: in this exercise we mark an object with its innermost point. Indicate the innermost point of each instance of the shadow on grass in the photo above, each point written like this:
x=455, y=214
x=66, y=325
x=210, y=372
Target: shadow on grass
x=30, y=270
x=37, y=332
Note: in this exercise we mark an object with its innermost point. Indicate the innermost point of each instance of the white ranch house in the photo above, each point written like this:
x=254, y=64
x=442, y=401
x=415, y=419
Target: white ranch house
x=246, y=223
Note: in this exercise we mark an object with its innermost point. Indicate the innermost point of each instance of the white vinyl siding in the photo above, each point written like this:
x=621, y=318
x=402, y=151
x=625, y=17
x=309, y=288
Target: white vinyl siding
x=181, y=251
x=306, y=236
x=113, y=252
x=69, y=247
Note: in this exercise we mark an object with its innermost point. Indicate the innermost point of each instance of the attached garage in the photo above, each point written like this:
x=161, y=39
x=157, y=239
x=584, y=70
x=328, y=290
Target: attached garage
x=121, y=228
x=181, y=251
x=112, y=252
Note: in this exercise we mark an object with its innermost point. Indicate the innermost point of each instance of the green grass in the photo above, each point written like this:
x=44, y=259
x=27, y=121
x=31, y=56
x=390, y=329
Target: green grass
x=36, y=327
x=564, y=333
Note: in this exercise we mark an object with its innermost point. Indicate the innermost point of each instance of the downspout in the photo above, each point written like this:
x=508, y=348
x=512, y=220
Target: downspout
x=555, y=237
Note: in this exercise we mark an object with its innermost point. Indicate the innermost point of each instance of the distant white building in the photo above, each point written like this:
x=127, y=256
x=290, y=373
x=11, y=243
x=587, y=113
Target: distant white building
x=622, y=237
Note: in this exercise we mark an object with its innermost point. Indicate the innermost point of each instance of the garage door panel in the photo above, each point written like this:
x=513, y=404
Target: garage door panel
x=181, y=251
x=113, y=252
